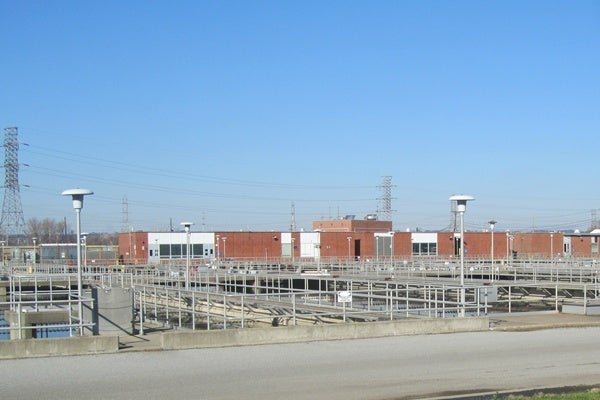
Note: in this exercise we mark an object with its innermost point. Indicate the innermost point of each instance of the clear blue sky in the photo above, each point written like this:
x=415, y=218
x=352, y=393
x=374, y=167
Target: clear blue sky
x=226, y=112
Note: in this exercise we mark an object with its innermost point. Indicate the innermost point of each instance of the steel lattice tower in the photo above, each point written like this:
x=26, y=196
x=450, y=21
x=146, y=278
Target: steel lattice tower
x=12, y=222
x=124, y=215
x=385, y=212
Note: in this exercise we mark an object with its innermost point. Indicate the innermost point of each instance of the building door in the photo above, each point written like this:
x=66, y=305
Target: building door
x=457, y=245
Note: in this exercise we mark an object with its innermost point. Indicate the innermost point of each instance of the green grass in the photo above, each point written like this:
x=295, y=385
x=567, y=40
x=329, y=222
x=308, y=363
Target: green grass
x=592, y=394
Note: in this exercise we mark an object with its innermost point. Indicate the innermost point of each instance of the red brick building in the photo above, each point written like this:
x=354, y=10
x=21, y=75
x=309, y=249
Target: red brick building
x=152, y=247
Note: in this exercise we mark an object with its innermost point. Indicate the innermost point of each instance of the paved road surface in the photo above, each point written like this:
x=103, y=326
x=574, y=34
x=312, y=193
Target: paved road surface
x=386, y=368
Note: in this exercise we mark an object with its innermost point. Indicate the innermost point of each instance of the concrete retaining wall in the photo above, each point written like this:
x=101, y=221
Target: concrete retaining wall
x=580, y=309
x=78, y=345
x=292, y=334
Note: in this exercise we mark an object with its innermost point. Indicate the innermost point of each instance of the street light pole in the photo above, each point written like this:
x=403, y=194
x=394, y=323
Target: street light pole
x=492, y=224
x=84, y=250
x=293, y=253
x=349, y=256
x=461, y=206
x=186, y=226
x=392, y=249
x=34, y=255
x=217, y=250
x=551, y=248
x=157, y=251
x=77, y=196
x=507, y=235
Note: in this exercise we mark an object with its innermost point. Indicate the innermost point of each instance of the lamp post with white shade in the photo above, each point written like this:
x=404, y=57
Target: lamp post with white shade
x=492, y=224
x=34, y=254
x=349, y=240
x=461, y=206
x=186, y=226
x=551, y=248
x=77, y=196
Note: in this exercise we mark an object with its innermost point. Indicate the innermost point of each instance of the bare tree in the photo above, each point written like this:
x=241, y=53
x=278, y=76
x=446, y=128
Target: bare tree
x=45, y=230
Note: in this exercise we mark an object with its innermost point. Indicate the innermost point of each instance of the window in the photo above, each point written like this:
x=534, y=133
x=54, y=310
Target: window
x=176, y=251
x=424, y=249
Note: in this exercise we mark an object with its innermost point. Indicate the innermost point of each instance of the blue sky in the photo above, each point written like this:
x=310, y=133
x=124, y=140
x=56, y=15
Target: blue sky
x=226, y=112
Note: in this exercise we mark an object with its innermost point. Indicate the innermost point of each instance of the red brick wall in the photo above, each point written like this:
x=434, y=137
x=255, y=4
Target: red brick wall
x=133, y=247
x=526, y=244
x=581, y=246
x=445, y=244
x=250, y=244
x=335, y=244
x=534, y=244
x=402, y=244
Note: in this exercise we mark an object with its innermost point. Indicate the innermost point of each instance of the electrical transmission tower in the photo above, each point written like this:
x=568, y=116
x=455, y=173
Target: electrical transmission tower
x=385, y=211
x=293, y=218
x=124, y=215
x=595, y=224
x=453, y=217
x=12, y=222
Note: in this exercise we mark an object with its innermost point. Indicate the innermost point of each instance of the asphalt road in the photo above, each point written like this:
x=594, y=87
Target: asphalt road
x=386, y=368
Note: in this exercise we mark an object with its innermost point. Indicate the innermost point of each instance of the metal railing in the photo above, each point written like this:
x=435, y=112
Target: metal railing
x=245, y=294
x=35, y=293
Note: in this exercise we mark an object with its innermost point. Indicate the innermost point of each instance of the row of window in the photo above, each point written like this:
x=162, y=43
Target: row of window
x=176, y=250
x=424, y=249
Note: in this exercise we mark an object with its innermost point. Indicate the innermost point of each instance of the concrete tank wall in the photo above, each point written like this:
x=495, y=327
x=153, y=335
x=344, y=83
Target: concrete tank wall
x=113, y=311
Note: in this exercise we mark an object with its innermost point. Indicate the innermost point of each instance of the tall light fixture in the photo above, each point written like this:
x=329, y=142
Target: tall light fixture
x=508, y=239
x=392, y=248
x=157, y=251
x=492, y=224
x=77, y=196
x=217, y=250
x=461, y=206
x=349, y=238
x=186, y=226
x=84, y=249
x=34, y=255
x=551, y=248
